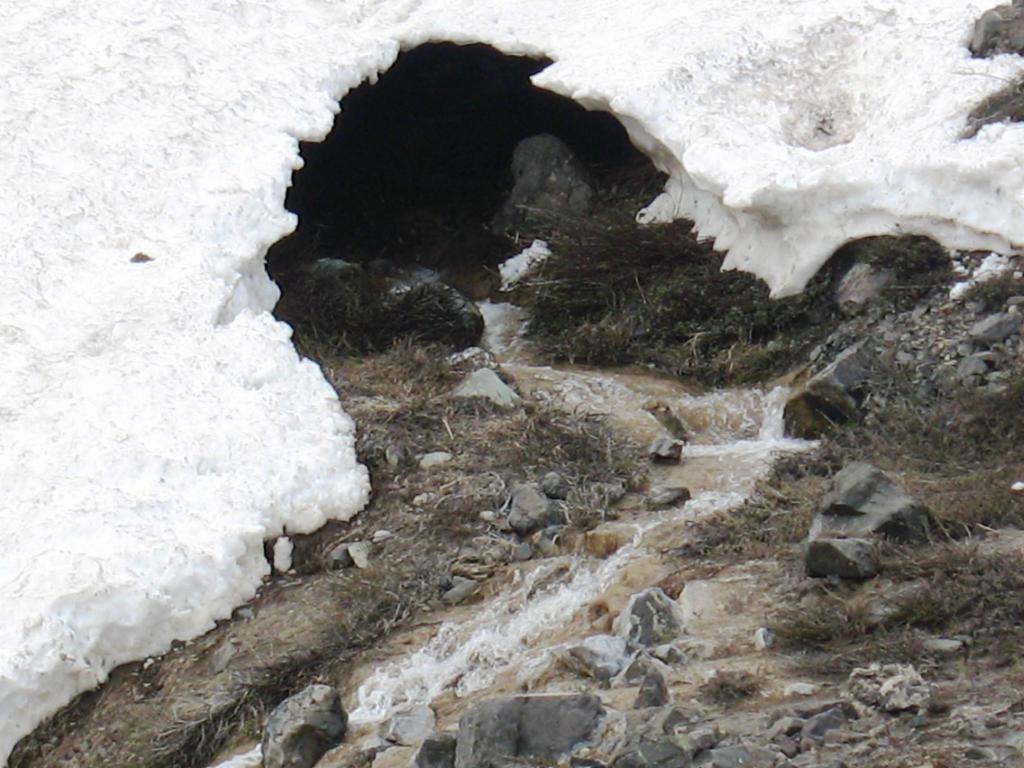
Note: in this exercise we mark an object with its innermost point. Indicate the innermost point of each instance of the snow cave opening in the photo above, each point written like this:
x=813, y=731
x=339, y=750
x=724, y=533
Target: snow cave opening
x=415, y=171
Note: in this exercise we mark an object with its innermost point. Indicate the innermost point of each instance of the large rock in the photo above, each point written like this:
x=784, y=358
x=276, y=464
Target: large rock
x=548, y=180
x=864, y=502
x=526, y=729
x=664, y=739
x=437, y=752
x=531, y=510
x=303, y=727
x=845, y=558
x=410, y=727
x=830, y=398
x=650, y=618
x=999, y=30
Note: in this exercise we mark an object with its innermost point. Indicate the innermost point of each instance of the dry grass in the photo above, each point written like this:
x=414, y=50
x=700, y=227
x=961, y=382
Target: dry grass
x=729, y=687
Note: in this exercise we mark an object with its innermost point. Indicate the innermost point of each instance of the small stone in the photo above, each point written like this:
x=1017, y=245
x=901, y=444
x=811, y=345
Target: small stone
x=653, y=691
x=845, y=558
x=800, y=689
x=666, y=449
x=530, y=510
x=669, y=654
x=395, y=455
x=981, y=753
x=668, y=497
x=554, y=486
x=303, y=727
x=359, y=551
x=601, y=657
x=462, y=589
x=434, y=459
x=764, y=639
x=485, y=383
x=943, y=645
x=488, y=515
x=381, y=535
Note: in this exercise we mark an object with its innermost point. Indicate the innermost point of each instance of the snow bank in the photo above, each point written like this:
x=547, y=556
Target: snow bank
x=156, y=423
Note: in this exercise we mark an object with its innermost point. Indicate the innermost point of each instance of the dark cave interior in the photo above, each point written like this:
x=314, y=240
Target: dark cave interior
x=418, y=162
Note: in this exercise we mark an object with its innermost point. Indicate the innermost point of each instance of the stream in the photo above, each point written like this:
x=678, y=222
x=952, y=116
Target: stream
x=506, y=643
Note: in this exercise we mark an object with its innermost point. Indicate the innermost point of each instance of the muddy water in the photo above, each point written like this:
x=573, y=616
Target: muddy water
x=506, y=643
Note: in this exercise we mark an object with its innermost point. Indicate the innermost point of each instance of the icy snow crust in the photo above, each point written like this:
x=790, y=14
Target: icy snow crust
x=156, y=422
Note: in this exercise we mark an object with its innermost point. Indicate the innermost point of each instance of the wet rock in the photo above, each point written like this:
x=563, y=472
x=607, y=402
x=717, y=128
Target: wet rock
x=816, y=727
x=485, y=383
x=303, y=727
x=409, y=727
x=844, y=558
x=666, y=449
x=524, y=729
x=830, y=398
x=653, y=691
x=650, y=618
x=860, y=285
x=890, y=687
x=601, y=657
x=665, y=416
x=548, y=179
x=438, y=751
x=554, y=486
x=434, y=459
x=531, y=510
x=998, y=30
x=743, y=756
x=668, y=497
x=863, y=501
x=462, y=589
x=995, y=328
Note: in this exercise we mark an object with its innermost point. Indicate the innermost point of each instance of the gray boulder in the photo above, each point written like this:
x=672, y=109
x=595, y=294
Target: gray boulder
x=845, y=558
x=436, y=752
x=829, y=398
x=547, y=179
x=664, y=739
x=531, y=510
x=864, y=502
x=650, y=618
x=526, y=729
x=303, y=727
x=995, y=328
x=998, y=30
x=485, y=383
x=817, y=726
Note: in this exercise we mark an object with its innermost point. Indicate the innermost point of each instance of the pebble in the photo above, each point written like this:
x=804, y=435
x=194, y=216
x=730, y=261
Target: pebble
x=434, y=459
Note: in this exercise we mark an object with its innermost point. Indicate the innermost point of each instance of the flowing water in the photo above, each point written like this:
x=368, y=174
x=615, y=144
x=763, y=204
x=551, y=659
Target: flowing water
x=505, y=644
